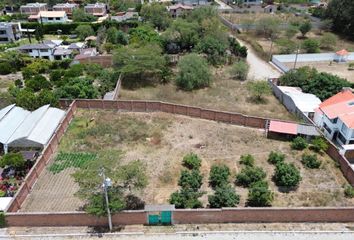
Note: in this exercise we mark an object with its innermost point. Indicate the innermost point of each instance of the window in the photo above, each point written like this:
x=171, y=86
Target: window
x=327, y=128
x=4, y=39
x=334, y=120
x=344, y=129
x=2, y=32
x=58, y=19
x=43, y=50
x=342, y=138
x=351, y=142
x=50, y=19
x=351, y=104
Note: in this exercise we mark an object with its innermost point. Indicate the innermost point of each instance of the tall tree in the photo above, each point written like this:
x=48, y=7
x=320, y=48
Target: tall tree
x=341, y=12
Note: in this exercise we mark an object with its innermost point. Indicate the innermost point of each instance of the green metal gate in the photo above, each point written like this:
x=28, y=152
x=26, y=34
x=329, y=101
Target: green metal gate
x=166, y=217
x=154, y=219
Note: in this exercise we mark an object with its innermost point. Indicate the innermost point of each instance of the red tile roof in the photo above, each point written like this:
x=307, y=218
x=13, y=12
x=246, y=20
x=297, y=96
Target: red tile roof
x=283, y=127
x=342, y=52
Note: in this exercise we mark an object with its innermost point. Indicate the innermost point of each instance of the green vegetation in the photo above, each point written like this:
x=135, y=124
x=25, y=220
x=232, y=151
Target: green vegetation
x=341, y=13
x=247, y=160
x=305, y=27
x=190, y=179
x=224, y=196
x=319, y=144
x=258, y=89
x=192, y=161
x=249, y=175
x=66, y=160
x=287, y=175
x=323, y=85
x=219, y=175
x=311, y=46
x=310, y=160
x=193, y=73
x=299, y=143
x=328, y=41
x=12, y=159
x=259, y=195
x=276, y=157
x=83, y=31
x=2, y=220
x=79, y=15
x=239, y=70
x=349, y=191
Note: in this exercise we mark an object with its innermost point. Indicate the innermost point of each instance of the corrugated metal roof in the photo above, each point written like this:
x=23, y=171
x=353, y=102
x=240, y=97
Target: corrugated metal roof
x=307, y=130
x=5, y=110
x=10, y=123
x=283, y=127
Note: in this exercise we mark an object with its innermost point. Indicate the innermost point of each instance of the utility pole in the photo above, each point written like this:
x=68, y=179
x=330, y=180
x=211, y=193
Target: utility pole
x=107, y=183
x=271, y=47
x=297, y=53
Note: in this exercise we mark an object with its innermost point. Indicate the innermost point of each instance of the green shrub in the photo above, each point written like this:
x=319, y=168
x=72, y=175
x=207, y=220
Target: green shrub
x=2, y=220
x=239, y=70
x=12, y=159
x=311, y=46
x=186, y=198
x=276, y=157
x=219, y=175
x=299, y=143
x=349, y=191
x=192, y=161
x=310, y=160
x=224, y=196
x=5, y=68
x=190, y=179
x=259, y=195
x=319, y=144
x=37, y=83
x=193, y=72
x=247, y=160
x=287, y=175
x=249, y=175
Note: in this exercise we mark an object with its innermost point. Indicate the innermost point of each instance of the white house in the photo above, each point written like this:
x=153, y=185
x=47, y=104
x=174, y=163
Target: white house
x=335, y=116
x=39, y=50
x=51, y=17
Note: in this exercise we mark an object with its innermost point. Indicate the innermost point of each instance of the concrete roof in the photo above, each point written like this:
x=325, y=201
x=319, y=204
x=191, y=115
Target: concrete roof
x=53, y=14
x=305, y=102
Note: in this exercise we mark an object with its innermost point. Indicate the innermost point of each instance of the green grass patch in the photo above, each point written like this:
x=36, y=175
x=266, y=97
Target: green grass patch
x=66, y=160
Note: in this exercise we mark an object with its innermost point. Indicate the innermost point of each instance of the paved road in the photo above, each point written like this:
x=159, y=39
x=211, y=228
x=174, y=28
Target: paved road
x=204, y=236
x=259, y=69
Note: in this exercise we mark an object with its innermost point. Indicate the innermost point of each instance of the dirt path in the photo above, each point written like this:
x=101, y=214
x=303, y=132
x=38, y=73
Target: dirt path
x=259, y=69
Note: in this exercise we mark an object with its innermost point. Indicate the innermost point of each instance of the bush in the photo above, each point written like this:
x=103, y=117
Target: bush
x=214, y=49
x=219, y=175
x=56, y=76
x=276, y=157
x=319, y=144
x=193, y=73
x=259, y=195
x=310, y=160
x=224, y=196
x=239, y=70
x=305, y=28
x=349, y=191
x=133, y=202
x=186, y=198
x=83, y=31
x=287, y=175
x=247, y=160
x=311, y=46
x=12, y=159
x=249, y=175
x=192, y=161
x=190, y=180
x=258, y=89
x=37, y=83
x=328, y=41
x=2, y=220
x=5, y=68
x=299, y=143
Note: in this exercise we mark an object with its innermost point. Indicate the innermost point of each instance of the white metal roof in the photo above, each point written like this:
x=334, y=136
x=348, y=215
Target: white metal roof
x=5, y=110
x=21, y=128
x=306, y=102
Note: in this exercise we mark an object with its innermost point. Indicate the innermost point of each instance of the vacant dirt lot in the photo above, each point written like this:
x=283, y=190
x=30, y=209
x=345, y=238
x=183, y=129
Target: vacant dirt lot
x=339, y=69
x=168, y=138
x=224, y=94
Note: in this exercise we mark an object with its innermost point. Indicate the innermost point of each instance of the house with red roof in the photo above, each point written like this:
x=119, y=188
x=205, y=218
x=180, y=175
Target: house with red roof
x=335, y=116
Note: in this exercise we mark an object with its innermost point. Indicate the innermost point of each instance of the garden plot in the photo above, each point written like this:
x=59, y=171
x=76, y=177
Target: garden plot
x=160, y=141
x=339, y=69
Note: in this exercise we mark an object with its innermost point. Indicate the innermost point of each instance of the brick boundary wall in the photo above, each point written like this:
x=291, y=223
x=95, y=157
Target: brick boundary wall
x=103, y=60
x=181, y=216
x=187, y=216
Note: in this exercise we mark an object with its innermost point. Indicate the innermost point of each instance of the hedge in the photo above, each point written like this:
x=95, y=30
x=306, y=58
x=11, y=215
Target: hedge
x=69, y=28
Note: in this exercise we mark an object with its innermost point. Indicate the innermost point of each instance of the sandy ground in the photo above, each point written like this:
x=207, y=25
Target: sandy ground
x=213, y=142
x=259, y=69
x=7, y=80
x=339, y=69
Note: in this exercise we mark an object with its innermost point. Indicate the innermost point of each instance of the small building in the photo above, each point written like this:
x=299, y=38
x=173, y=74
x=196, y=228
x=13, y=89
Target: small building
x=252, y=2
x=96, y=9
x=9, y=32
x=86, y=53
x=33, y=8
x=23, y=129
x=77, y=46
x=50, y=17
x=193, y=2
x=299, y=102
x=179, y=9
x=61, y=53
x=270, y=8
x=288, y=130
x=124, y=16
x=66, y=7
x=335, y=117
x=39, y=50
x=341, y=56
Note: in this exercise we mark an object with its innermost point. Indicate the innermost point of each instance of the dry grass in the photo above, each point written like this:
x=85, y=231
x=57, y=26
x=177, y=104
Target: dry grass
x=166, y=140
x=224, y=94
